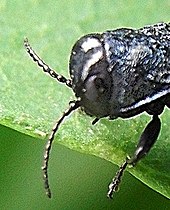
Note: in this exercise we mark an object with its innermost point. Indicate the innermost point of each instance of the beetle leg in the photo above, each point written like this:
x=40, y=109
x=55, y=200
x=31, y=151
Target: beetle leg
x=147, y=139
x=114, y=185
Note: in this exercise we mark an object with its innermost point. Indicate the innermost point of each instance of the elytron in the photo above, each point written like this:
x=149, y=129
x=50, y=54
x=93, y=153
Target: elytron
x=118, y=73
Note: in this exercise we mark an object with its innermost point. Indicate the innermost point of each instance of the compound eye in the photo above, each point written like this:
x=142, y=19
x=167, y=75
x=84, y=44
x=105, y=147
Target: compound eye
x=100, y=86
x=95, y=88
x=87, y=52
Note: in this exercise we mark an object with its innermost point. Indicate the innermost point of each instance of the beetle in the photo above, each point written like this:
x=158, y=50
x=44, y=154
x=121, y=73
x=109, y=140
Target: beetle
x=118, y=73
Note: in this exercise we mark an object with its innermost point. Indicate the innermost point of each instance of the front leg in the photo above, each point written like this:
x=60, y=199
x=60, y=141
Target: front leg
x=146, y=141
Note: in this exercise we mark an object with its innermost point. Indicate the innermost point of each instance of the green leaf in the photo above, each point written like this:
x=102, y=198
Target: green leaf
x=31, y=102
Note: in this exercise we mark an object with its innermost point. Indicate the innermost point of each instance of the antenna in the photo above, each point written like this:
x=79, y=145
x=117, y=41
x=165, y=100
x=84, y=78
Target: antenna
x=73, y=106
x=44, y=66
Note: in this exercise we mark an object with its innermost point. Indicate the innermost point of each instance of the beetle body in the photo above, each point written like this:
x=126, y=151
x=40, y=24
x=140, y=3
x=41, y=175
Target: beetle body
x=119, y=73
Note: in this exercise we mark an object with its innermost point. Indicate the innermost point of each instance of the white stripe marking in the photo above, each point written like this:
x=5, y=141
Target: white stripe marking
x=94, y=59
x=146, y=100
x=90, y=43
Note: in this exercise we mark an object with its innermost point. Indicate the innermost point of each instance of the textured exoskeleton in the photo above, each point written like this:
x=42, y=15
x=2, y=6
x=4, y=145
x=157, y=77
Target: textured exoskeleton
x=118, y=73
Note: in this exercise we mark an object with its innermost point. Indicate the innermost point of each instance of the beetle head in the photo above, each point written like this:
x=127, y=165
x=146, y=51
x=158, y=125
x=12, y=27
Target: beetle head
x=90, y=76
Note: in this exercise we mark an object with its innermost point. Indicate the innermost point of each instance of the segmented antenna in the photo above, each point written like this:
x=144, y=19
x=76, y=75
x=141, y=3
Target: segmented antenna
x=44, y=66
x=114, y=185
x=73, y=107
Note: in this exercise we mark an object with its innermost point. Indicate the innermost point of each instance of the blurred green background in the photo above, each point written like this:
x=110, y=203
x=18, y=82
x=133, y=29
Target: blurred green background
x=78, y=181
